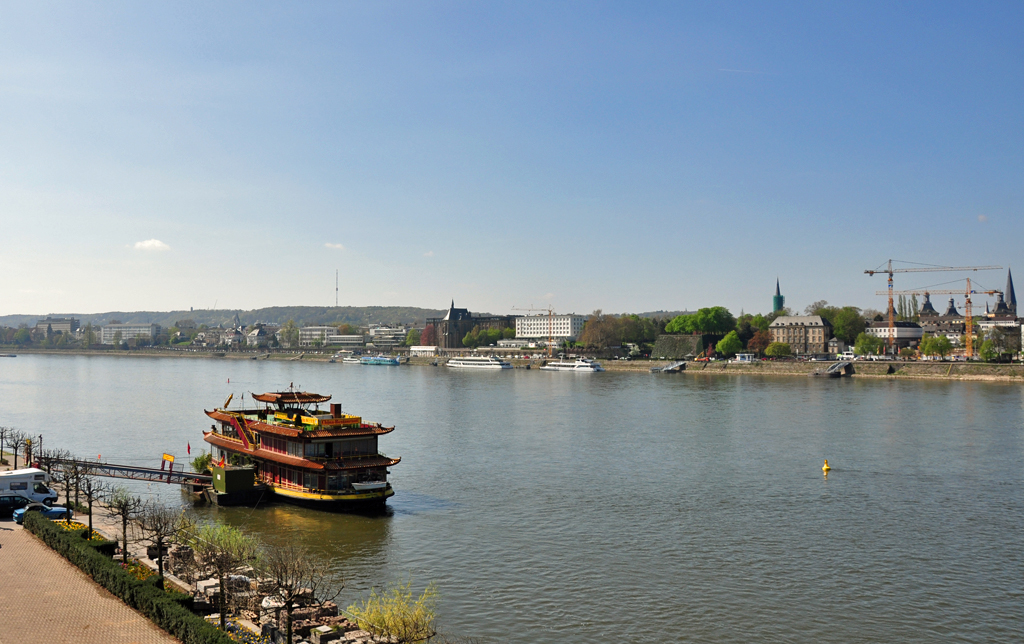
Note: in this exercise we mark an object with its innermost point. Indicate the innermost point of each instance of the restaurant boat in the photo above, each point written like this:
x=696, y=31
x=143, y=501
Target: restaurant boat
x=390, y=361
x=304, y=455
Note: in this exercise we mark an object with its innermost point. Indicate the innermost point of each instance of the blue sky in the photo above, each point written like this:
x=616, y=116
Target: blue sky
x=587, y=155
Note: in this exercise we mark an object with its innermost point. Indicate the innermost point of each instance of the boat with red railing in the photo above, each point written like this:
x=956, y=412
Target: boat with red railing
x=305, y=455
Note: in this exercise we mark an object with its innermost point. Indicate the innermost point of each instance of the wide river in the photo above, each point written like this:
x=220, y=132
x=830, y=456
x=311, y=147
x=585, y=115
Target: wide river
x=560, y=507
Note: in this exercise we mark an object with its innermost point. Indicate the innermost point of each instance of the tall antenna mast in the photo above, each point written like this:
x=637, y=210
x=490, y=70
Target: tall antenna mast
x=335, y=288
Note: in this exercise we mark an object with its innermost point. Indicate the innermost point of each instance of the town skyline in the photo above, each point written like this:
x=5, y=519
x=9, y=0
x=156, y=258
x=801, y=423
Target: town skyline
x=610, y=157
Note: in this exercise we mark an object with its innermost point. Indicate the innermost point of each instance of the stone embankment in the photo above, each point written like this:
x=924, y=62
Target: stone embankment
x=901, y=369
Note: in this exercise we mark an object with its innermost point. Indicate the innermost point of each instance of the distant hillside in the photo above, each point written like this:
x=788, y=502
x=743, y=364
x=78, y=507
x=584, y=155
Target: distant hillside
x=303, y=315
x=665, y=315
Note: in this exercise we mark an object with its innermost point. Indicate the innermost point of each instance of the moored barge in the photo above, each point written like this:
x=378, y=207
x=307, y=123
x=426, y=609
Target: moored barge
x=304, y=455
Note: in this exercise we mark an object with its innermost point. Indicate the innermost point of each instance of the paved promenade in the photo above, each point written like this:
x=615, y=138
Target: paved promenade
x=45, y=599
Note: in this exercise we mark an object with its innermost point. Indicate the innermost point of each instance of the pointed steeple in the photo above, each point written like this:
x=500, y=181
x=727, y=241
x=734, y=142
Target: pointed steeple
x=1009, y=296
x=927, y=308
x=778, y=302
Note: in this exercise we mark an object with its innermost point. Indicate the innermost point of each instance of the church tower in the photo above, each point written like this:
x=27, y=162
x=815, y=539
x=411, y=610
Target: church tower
x=778, y=302
x=1009, y=296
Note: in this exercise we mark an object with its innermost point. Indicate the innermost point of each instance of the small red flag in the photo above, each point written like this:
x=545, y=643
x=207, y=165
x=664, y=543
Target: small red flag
x=189, y=448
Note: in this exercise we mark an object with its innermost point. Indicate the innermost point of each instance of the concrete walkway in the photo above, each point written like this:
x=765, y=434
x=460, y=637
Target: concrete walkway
x=45, y=599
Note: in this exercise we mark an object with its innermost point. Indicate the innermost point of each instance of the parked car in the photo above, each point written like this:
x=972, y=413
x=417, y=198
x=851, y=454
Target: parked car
x=11, y=501
x=54, y=512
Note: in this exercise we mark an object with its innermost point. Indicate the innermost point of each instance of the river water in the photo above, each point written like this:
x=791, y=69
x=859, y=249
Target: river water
x=560, y=507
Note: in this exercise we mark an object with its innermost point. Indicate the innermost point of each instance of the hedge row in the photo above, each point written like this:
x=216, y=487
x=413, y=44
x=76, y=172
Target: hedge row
x=167, y=610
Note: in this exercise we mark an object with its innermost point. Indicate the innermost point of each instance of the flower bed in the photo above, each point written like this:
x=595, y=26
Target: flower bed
x=75, y=526
x=167, y=610
x=239, y=633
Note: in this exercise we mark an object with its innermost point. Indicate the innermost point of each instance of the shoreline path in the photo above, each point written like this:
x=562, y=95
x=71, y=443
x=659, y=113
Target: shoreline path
x=44, y=598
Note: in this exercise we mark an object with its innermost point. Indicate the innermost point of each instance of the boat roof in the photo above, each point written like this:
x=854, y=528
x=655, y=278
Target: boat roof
x=291, y=397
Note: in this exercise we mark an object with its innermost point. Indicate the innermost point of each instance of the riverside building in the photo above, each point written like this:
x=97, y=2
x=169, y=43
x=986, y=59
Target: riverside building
x=803, y=333
x=129, y=331
x=559, y=327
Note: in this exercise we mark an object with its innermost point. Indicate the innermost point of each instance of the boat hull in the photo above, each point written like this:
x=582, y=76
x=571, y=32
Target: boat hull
x=368, y=500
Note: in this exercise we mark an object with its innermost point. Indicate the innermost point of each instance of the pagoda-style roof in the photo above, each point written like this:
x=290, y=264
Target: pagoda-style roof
x=282, y=398
x=927, y=308
x=951, y=310
x=351, y=463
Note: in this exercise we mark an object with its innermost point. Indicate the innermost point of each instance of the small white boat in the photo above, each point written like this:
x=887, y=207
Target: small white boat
x=369, y=485
x=479, y=362
x=350, y=360
x=584, y=365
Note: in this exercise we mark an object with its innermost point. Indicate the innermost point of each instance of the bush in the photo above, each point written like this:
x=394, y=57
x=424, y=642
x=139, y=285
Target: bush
x=169, y=611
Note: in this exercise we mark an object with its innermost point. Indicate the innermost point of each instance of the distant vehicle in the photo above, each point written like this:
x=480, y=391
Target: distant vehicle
x=11, y=501
x=47, y=511
x=30, y=482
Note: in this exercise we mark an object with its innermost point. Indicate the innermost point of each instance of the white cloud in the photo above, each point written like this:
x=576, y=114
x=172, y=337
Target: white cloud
x=334, y=246
x=429, y=253
x=982, y=218
x=151, y=244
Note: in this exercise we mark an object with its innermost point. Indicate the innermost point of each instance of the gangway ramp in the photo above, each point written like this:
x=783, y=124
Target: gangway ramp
x=131, y=472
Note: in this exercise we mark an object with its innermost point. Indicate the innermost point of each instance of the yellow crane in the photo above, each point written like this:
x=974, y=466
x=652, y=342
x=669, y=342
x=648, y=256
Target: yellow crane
x=924, y=268
x=968, y=319
x=551, y=321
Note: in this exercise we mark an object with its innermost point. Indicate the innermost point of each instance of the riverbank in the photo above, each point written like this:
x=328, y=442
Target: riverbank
x=897, y=370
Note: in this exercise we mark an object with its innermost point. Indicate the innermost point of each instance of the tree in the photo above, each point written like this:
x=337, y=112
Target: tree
x=396, y=615
x=814, y=307
x=117, y=339
x=730, y=345
x=125, y=506
x=201, y=463
x=225, y=549
x=988, y=351
x=19, y=441
x=906, y=353
x=760, y=341
x=412, y=338
x=295, y=572
x=715, y=320
x=429, y=336
x=847, y=324
x=937, y=345
x=22, y=336
x=868, y=344
x=778, y=350
x=159, y=525
x=290, y=334
x=92, y=489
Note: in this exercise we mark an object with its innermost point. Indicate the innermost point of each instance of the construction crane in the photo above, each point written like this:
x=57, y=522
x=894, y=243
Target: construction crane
x=551, y=323
x=924, y=269
x=968, y=319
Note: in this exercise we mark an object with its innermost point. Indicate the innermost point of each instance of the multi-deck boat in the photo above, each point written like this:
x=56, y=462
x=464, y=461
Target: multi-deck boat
x=479, y=362
x=350, y=360
x=391, y=361
x=303, y=454
x=584, y=365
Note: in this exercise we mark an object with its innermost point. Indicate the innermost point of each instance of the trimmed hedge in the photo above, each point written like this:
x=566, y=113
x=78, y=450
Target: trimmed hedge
x=167, y=610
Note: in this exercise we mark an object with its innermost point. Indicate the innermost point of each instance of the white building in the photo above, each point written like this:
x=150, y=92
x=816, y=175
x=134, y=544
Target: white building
x=128, y=331
x=559, y=327
x=346, y=341
x=310, y=334
x=423, y=351
x=904, y=333
x=387, y=336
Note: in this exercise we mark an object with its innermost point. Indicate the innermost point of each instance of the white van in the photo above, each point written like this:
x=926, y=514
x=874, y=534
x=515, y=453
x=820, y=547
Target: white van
x=31, y=482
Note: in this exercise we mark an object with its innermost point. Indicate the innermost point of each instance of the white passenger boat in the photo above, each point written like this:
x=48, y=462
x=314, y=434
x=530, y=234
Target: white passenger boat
x=585, y=365
x=479, y=362
x=350, y=360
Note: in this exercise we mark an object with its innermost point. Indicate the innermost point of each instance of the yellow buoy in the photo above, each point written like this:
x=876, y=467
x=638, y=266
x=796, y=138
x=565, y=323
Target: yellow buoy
x=825, y=468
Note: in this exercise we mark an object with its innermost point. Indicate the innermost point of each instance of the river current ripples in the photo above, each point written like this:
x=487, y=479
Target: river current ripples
x=561, y=507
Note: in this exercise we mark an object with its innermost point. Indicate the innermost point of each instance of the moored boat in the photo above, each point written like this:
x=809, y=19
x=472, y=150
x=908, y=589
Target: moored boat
x=478, y=362
x=391, y=361
x=305, y=455
x=580, y=365
x=350, y=360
